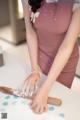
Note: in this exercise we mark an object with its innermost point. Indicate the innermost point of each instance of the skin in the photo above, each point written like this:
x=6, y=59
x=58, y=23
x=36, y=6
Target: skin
x=39, y=102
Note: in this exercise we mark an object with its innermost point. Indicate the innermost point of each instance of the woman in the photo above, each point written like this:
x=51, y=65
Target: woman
x=52, y=41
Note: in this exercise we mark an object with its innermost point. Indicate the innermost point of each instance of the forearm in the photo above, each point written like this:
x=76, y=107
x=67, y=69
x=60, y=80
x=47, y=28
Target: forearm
x=65, y=51
x=33, y=48
x=59, y=62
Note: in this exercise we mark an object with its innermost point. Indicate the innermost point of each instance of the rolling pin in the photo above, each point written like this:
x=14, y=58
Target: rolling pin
x=51, y=100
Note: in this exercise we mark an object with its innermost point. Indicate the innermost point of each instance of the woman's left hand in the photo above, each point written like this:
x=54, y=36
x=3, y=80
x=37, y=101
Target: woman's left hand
x=39, y=102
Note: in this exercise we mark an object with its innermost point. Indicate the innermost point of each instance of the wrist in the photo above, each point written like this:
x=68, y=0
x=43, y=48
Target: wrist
x=37, y=70
x=37, y=74
x=47, y=86
x=43, y=89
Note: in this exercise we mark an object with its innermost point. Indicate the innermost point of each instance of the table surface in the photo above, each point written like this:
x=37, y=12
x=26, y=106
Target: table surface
x=15, y=71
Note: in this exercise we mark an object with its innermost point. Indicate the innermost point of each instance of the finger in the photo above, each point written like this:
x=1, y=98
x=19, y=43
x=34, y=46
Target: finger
x=36, y=109
x=35, y=88
x=41, y=110
x=30, y=89
x=45, y=108
x=31, y=92
x=23, y=91
x=27, y=84
x=33, y=104
x=24, y=85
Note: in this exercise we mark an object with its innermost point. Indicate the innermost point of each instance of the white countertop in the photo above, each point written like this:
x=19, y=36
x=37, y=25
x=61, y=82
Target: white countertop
x=15, y=71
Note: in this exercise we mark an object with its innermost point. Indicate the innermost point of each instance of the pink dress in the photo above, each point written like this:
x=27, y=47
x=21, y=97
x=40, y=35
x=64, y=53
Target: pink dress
x=51, y=32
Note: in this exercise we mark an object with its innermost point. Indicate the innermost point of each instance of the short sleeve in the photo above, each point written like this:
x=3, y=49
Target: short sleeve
x=76, y=6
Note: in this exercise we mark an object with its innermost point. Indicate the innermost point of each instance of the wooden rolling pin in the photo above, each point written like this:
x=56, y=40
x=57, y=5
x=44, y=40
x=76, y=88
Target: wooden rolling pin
x=52, y=101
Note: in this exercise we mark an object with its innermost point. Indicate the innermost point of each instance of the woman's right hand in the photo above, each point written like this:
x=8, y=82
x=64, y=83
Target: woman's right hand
x=29, y=86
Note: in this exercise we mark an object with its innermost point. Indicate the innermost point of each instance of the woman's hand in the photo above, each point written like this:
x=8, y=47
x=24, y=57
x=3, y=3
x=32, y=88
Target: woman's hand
x=29, y=86
x=39, y=101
